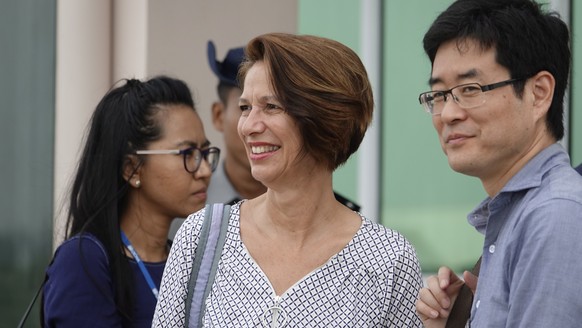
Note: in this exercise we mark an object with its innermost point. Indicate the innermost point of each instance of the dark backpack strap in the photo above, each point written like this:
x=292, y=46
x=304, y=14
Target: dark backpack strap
x=461, y=311
x=27, y=312
x=206, y=257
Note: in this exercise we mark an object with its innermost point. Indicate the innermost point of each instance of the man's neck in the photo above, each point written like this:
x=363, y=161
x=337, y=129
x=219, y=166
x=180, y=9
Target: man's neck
x=242, y=181
x=495, y=184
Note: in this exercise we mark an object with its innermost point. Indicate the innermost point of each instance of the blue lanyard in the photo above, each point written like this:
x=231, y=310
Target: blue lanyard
x=140, y=264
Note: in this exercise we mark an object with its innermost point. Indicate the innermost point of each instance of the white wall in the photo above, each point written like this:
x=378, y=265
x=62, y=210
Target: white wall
x=83, y=75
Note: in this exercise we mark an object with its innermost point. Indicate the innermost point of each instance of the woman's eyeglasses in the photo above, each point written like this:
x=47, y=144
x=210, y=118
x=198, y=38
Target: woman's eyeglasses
x=192, y=156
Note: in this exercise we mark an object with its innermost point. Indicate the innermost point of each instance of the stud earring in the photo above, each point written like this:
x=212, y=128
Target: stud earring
x=137, y=183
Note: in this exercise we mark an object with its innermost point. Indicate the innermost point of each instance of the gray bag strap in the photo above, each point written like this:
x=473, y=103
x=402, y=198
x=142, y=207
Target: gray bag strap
x=206, y=257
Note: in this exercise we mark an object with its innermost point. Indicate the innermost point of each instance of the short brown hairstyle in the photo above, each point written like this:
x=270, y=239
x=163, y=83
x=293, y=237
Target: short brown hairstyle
x=323, y=85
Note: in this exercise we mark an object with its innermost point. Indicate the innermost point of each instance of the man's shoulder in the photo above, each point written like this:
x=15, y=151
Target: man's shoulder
x=548, y=176
x=557, y=200
x=562, y=182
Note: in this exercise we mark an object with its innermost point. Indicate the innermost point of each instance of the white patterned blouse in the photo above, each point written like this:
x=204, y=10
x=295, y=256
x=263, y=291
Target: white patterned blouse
x=372, y=282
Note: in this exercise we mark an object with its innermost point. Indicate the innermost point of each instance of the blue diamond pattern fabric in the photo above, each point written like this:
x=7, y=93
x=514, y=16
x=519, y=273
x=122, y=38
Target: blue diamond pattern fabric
x=372, y=282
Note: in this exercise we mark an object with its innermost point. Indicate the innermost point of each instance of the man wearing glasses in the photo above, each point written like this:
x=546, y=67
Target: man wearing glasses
x=499, y=73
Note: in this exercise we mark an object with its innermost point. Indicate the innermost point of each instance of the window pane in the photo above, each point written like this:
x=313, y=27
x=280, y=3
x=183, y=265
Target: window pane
x=27, y=40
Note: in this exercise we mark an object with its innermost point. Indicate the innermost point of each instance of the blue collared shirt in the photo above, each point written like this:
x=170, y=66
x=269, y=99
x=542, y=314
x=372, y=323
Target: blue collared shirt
x=531, y=271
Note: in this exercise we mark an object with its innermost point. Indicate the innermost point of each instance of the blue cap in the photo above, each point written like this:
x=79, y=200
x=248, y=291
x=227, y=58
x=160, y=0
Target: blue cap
x=226, y=70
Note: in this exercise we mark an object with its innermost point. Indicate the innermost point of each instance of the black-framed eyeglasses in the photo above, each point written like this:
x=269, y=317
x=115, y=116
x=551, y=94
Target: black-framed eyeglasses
x=467, y=96
x=192, y=156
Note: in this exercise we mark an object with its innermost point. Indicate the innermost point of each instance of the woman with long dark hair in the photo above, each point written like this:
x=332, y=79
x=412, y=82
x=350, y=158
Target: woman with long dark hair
x=146, y=161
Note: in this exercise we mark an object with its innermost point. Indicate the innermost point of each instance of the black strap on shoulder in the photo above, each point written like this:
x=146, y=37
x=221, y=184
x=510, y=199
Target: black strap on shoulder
x=346, y=202
x=27, y=312
x=461, y=311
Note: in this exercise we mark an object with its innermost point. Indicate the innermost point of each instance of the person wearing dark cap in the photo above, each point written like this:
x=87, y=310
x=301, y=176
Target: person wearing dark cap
x=233, y=181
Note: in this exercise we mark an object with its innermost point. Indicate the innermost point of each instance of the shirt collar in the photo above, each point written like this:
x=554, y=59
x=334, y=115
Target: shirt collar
x=529, y=176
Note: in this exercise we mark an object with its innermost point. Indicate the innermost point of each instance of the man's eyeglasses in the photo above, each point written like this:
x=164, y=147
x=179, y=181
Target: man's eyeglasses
x=192, y=156
x=467, y=96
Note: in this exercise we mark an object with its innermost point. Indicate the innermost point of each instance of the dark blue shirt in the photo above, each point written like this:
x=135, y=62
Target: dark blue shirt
x=79, y=290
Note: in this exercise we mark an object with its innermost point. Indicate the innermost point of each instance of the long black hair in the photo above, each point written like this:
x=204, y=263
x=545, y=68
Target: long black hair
x=123, y=122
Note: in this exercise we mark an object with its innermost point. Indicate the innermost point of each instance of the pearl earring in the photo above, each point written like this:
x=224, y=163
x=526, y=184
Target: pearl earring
x=137, y=183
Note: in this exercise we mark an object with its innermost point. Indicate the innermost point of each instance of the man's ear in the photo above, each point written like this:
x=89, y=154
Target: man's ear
x=218, y=115
x=543, y=85
x=131, y=169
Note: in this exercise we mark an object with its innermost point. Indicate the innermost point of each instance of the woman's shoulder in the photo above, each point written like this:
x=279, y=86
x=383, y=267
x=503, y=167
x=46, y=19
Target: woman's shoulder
x=384, y=233
x=189, y=232
x=86, y=245
x=188, y=236
x=79, y=287
x=384, y=242
x=77, y=256
x=192, y=224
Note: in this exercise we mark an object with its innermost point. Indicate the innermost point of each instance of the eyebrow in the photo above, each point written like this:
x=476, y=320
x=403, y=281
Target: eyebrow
x=469, y=74
x=194, y=144
x=262, y=99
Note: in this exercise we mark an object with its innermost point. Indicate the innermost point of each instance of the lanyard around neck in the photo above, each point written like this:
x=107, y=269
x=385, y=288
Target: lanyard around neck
x=142, y=268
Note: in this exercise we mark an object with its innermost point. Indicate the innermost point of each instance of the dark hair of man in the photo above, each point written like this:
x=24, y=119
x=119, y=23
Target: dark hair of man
x=223, y=91
x=322, y=85
x=526, y=40
x=124, y=121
